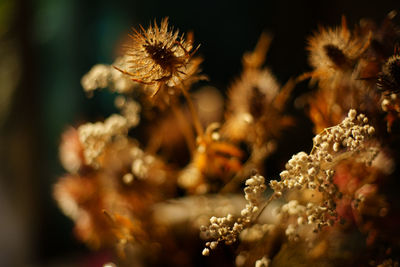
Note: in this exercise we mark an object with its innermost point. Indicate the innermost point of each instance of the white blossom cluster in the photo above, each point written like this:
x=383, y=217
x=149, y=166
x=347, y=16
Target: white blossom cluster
x=95, y=136
x=315, y=170
x=256, y=232
x=227, y=229
x=312, y=171
x=306, y=214
x=144, y=166
x=103, y=76
x=130, y=109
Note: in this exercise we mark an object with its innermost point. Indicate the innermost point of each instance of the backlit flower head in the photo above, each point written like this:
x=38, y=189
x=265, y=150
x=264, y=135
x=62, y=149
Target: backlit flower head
x=160, y=57
x=256, y=100
x=250, y=99
x=334, y=49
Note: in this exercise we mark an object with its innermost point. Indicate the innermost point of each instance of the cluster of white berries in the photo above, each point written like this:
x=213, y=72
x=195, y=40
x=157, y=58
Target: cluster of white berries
x=315, y=170
x=310, y=214
x=227, y=229
x=140, y=163
x=312, y=171
x=97, y=77
x=349, y=134
x=95, y=136
x=255, y=232
x=130, y=109
x=255, y=187
x=144, y=167
x=293, y=209
x=102, y=76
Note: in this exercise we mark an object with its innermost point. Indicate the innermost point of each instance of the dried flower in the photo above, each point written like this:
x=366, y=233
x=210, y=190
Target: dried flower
x=159, y=57
x=128, y=195
x=256, y=100
x=227, y=229
x=130, y=109
x=213, y=158
x=250, y=99
x=335, y=49
x=312, y=171
x=315, y=171
x=71, y=151
x=102, y=76
x=389, y=78
x=95, y=136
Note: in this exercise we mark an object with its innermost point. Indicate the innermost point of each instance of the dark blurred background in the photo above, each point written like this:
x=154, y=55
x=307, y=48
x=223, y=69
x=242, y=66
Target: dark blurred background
x=47, y=45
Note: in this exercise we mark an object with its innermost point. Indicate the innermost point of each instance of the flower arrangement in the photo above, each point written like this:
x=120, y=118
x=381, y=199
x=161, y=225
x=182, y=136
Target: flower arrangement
x=174, y=196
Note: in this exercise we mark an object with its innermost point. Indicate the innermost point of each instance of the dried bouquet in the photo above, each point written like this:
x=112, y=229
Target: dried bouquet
x=188, y=185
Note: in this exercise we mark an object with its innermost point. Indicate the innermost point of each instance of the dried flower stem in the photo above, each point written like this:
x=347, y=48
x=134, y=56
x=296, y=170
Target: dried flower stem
x=242, y=175
x=185, y=128
x=262, y=207
x=193, y=112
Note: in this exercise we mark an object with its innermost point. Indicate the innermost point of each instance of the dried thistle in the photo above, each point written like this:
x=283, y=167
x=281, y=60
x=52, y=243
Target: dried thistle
x=335, y=49
x=249, y=101
x=389, y=78
x=341, y=60
x=255, y=102
x=158, y=57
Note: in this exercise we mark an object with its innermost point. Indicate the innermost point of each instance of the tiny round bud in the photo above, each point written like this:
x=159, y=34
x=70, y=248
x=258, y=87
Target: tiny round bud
x=127, y=178
x=371, y=130
x=213, y=245
x=352, y=114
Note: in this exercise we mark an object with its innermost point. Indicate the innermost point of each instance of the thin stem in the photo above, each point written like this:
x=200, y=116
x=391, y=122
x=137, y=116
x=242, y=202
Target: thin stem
x=264, y=205
x=251, y=164
x=185, y=128
x=326, y=130
x=193, y=112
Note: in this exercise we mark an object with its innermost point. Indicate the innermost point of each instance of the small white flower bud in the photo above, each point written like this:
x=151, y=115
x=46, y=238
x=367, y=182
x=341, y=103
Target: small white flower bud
x=352, y=114
x=206, y=252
